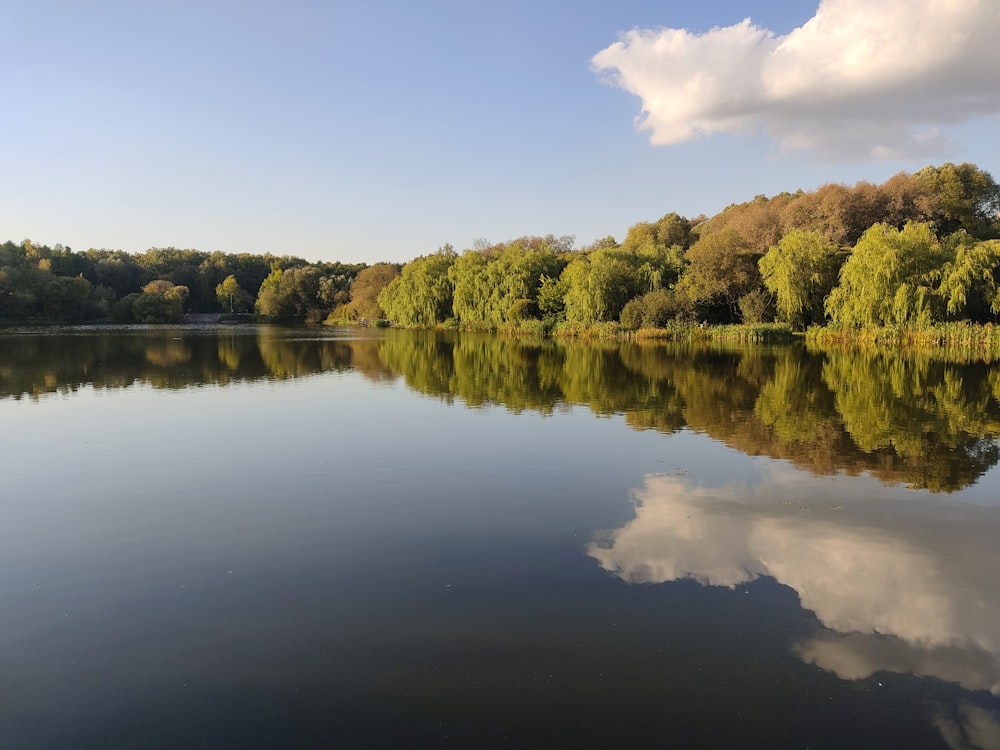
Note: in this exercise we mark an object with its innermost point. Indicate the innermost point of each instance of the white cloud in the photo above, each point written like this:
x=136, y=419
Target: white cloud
x=862, y=78
x=882, y=565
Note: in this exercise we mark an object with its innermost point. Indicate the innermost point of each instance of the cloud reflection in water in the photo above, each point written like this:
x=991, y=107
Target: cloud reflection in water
x=903, y=582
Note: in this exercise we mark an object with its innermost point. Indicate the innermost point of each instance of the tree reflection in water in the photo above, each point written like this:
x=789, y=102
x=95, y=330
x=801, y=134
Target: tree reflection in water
x=914, y=419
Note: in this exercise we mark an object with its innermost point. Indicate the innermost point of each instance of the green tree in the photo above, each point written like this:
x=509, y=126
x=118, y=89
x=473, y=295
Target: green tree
x=888, y=278
x=969, y=279
x=422, y=294
x=966, y=197
x=656, y=309
x=800, y=271
x=231, y=296
x=672, y=229
x=292, y=293
x=721, y=269
x=599, y=285
x=364, y=292
x=160, y=301
x=501, y=284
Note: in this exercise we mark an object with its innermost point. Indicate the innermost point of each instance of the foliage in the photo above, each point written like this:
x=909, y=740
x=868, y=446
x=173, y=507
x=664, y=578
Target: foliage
x=232, y=296
x=800, y=271
x=758, y=223
x=959, y=341
x=791, y=244
x=755, y=307
x=721, y=269
x=969, y=279
x=965, y=197
x=889, y=278
x=501, y=284
x=292, y=293
x=650, y=238
x=160, y=301
x=656, y=309
x=364, y=292
x=751, y=333
x=422, y=294
x=598, y=285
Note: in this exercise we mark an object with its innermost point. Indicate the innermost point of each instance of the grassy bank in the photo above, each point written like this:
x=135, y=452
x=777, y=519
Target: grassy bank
x=765, y=333
x=960, y=335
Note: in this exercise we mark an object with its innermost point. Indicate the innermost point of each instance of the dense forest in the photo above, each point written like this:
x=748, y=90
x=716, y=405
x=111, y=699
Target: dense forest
x=919, y=249
x=38, y=282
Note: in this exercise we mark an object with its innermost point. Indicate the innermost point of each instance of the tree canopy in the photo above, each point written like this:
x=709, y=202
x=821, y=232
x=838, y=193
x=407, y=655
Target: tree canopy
x=916, y=249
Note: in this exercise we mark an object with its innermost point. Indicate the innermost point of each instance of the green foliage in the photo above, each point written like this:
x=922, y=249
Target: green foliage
x=721, y=269
x=521, y=310
x=35, y=281
x=552, y=296
x=800, y=271
x=956, y=341
x=493, y=284
x=759, y=333
x=364, y=292
x=755, y=307
x=598, y=286
x=293, y=293
x=969, y=279
x=30, y=286
x=712, y=262
x=231, y=296
x=889, y=278
x=965, y=197
x=650, y=238
x=160, y=301
x=422, y=294
x=656, y=309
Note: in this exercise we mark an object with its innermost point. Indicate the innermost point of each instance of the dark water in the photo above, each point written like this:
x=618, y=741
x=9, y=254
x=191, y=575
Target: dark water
x=241, y=537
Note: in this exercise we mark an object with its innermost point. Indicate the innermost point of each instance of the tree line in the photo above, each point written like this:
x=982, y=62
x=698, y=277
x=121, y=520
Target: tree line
x=918, y=249
x=38, y=282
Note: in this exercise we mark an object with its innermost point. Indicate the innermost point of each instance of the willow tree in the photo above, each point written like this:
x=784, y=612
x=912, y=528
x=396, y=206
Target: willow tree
x=598, y=285
x=422, y=294
x=501, y=284
x=800, y=271
x=889, y=278
x=969, y=280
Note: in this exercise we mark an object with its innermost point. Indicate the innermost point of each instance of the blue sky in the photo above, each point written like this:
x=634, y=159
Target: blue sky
x=370, y=131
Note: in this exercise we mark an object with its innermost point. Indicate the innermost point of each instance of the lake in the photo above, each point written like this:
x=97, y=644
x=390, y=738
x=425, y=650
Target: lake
x=257, y=537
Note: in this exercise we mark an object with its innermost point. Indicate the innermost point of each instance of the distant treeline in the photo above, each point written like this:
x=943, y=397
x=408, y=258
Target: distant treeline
x=38, y=282
x=916, y=250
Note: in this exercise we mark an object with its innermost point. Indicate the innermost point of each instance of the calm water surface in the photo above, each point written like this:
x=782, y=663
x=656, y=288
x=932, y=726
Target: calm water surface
x=259, y=537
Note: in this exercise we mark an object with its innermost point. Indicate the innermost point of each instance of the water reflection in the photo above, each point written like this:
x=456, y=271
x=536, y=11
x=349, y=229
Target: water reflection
x=899, y=582
x=34, y=364
x=969, y=727
x=912, y=419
